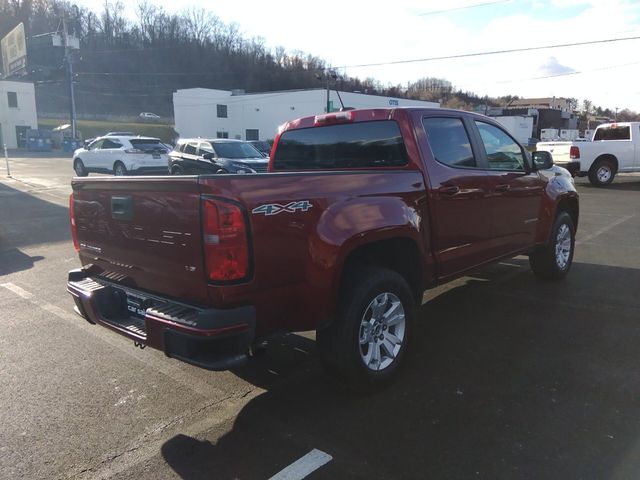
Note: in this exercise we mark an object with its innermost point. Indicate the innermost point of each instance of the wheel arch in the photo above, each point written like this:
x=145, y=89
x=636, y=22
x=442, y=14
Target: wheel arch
x=400, y=254
x=607, y=156
x=570, y=205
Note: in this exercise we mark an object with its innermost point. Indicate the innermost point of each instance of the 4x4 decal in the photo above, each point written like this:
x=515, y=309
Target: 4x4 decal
x=275, y=208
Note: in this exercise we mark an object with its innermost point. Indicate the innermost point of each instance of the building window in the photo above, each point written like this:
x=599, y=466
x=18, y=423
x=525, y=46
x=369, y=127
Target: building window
x=222, y=134
x=12, y=98
x=222, y=111
x=252, y=134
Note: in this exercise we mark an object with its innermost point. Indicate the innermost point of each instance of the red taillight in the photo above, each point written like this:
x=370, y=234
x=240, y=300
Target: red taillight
x=574, y=152
x=72, y=219
x=226, y=246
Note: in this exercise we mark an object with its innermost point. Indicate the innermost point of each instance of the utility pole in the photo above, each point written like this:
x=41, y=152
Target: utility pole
x=328, y=94
x=616, y=117
x=328, y=75
x=68, y=59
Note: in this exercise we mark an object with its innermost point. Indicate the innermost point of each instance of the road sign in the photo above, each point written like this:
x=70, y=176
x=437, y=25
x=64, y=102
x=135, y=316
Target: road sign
x=14, y=52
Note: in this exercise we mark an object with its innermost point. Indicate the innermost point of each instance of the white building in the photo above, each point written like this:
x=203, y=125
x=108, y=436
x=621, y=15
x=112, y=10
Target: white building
x=17, y=112
x=520, y=127
x=202, y=112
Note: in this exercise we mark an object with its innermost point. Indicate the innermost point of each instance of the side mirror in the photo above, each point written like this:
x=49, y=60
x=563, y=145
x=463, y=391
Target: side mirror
x=209, y=156
x=542, y=160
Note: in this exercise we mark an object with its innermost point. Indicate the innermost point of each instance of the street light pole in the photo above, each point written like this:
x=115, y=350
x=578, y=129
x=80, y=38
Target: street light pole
x=67, y=57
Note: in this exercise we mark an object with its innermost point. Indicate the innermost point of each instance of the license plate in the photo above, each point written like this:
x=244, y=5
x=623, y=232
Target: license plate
x=137, y=306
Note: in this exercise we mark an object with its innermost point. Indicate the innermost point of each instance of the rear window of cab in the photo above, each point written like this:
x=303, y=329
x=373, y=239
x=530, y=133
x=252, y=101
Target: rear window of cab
x=613, y=133
x=348, y=145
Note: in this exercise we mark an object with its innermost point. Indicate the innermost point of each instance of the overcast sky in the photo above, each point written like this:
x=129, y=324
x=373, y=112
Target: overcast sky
x=355, y=32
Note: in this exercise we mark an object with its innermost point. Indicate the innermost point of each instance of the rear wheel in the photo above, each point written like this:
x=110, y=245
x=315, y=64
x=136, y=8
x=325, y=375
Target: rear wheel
x=602, y=173
x=79, y=168
x=367, y=342
x=176, y=170
x=553, y=261
x=119, y=169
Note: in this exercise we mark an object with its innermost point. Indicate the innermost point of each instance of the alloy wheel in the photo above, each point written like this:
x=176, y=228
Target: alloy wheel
x=563, y=246
x=382, y=331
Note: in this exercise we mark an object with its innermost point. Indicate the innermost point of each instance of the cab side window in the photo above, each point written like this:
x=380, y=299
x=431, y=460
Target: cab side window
x=503, y=153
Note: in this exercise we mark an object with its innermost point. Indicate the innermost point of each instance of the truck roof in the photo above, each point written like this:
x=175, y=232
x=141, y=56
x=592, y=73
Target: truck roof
x=364, y=115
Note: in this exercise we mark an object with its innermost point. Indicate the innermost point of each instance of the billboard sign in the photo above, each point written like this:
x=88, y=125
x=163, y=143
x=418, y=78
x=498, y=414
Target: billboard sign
x=14, y=52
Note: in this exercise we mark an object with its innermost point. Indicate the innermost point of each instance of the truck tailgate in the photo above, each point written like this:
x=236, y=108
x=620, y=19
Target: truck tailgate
x=560, y=151
x=144, y=233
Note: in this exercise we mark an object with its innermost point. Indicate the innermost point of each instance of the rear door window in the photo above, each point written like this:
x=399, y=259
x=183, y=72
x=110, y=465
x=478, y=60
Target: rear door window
x=109, y=144
x=352, y=145
x=449, y=142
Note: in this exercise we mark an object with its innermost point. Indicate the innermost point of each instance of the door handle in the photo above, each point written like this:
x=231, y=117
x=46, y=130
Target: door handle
x=448, y=190
x=503, y=187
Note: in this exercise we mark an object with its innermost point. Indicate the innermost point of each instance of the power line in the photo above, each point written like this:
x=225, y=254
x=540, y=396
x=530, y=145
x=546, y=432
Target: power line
x=486, y=4
x=396, y=62
x=143, y=74
x=493, y=52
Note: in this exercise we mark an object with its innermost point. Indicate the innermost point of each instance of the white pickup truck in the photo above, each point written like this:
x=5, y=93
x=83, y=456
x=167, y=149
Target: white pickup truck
x=615, y=147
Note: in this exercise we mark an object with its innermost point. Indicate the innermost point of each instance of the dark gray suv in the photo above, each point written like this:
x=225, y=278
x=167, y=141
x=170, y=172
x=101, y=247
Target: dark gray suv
x=195, y=156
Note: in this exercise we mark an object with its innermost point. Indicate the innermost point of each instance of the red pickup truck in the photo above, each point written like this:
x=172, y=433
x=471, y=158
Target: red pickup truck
x=361, y=212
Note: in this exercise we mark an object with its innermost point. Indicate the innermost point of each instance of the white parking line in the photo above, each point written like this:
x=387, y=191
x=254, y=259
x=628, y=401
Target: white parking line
x=304, y=466
x=171, y=369
x=21, y=292
x=604, y=229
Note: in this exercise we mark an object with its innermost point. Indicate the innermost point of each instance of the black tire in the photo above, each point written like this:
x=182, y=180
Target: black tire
x=222, y=171
x=79, y=168
x=176, y=170
x=550, y=262
x=341, y=350
x=602, y=172
x=119, y=169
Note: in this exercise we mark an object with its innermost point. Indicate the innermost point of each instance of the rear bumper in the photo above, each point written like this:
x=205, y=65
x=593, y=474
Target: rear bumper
x=211, y=338
x=573, y=167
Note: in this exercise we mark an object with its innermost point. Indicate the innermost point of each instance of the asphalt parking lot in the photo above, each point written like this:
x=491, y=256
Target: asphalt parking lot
x=509, y=377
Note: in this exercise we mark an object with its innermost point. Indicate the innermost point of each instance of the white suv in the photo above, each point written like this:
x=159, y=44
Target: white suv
x=122, y=155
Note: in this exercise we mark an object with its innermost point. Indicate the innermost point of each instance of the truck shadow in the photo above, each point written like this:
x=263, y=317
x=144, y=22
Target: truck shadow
x=14, y=260
x=509, y=377
x=620, y=183
x=27, y=221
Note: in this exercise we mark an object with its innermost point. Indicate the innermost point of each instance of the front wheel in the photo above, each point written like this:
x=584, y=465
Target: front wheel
x=553, y=261
x=602, y=173
x=119, y=169
x=367, y=342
